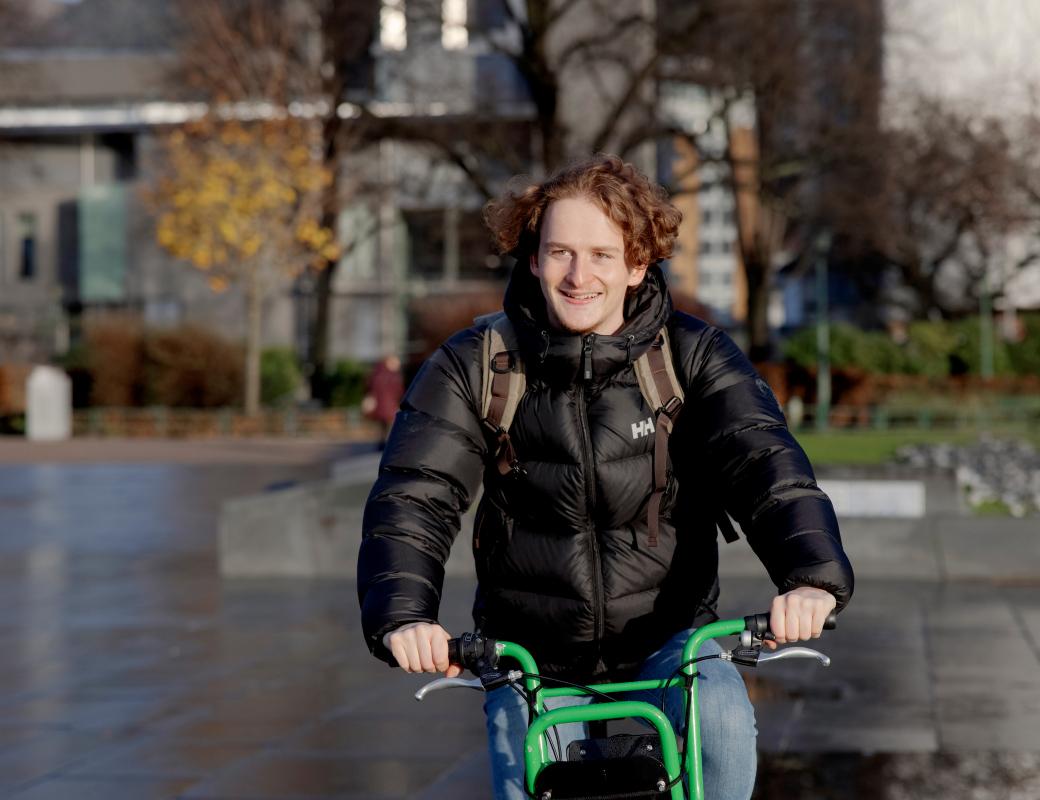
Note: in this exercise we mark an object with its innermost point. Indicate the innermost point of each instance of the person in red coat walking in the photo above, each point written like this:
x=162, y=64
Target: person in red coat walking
x=383, y=393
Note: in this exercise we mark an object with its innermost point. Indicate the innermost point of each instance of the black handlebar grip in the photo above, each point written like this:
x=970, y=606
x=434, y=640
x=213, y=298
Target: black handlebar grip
x=758, y=624
x=455, y=652
x=473, y=651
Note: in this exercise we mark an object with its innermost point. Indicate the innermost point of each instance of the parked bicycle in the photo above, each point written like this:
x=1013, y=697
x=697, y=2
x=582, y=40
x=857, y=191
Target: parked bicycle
x=664, y=763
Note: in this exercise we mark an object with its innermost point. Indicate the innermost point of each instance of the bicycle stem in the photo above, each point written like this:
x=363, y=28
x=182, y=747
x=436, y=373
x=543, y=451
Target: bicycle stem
x=694, y=765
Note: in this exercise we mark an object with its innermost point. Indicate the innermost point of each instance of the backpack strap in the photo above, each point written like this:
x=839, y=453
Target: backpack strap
x=663, y=392
x=502, y=384
x=660, y=386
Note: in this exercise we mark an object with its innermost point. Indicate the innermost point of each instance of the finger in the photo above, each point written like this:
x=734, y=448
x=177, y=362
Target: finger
x=411, y=650
x=425, y=649
x=819, y=618
x=777, y=619
x=827, y=605
x=791, y=620
x=806, y=623
x=440, y=653
x=453, y=671
x=399, y=652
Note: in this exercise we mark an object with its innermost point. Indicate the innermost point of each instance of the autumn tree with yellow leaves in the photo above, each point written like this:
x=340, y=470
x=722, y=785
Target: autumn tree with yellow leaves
x=241, y=202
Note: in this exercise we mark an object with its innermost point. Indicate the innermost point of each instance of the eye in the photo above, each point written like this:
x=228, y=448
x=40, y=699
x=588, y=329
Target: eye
x=559, y=252
x=603, y=256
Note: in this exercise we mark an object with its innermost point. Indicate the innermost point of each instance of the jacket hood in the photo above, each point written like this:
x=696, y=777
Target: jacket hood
x=559, y=356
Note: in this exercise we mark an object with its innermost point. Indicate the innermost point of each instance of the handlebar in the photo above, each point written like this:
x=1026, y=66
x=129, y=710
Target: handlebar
x=758, y=624
x=478, y=653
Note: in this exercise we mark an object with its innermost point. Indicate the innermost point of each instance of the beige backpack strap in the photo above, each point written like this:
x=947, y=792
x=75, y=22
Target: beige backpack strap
x=662, y=391
x=502, y=385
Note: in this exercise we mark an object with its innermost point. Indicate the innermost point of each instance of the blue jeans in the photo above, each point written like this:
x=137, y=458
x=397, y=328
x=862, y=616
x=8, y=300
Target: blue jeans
x=727, y=718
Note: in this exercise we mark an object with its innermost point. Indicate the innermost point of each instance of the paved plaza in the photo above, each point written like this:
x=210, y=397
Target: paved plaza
x=130, y=669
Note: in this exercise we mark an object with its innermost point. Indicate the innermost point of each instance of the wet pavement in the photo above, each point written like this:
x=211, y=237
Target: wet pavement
x=130, y=669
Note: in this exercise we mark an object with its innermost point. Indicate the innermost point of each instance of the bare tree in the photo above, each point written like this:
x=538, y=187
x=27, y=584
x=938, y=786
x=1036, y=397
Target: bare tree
x=292, y=54
x=593, y=71
x=795, y=87
x=955, y=188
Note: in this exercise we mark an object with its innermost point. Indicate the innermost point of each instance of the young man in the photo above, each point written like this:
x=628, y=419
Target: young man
x=576, y=557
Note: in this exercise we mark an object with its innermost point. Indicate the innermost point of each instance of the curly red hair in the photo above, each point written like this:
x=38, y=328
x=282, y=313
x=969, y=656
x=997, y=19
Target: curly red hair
x=648, y=221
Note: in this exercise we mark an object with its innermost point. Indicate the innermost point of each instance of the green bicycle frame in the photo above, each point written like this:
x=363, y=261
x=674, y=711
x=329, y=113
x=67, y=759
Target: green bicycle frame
x=536, y=754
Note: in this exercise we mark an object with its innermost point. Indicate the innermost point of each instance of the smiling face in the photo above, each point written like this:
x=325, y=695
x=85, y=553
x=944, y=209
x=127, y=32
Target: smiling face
x=582, y=269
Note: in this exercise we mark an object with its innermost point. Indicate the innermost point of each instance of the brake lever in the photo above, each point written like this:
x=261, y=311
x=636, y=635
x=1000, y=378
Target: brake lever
x=448, y=683
x=794, y=652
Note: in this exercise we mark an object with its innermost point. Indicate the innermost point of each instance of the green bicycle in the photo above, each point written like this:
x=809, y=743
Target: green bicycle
x=623, y=765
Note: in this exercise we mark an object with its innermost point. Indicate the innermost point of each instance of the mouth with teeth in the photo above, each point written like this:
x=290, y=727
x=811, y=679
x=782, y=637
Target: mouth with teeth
x=580, y=298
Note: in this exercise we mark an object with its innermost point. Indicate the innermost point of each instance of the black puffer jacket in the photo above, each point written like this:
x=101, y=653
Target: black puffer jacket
x=562, y=557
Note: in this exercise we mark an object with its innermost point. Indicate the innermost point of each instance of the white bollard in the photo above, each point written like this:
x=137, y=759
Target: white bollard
x=48, y=405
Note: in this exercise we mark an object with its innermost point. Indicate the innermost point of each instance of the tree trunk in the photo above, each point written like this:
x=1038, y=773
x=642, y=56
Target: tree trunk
x=254, y=299
x=759, y=344
x=319, y=338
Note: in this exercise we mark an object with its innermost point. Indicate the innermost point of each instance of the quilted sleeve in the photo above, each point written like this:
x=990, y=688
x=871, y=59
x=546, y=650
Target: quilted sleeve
x=431, y=468
x=764, y=479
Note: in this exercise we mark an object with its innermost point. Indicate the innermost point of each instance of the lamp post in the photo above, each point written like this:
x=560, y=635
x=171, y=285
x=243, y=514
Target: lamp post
x=821, y=247
x=985, y=329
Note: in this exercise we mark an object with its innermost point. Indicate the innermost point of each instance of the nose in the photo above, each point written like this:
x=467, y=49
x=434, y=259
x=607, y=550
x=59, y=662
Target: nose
x=579, y=270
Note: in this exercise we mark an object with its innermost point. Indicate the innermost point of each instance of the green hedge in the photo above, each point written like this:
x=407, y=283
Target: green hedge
x=932, y=349
x=346, y=383
x=280, y=376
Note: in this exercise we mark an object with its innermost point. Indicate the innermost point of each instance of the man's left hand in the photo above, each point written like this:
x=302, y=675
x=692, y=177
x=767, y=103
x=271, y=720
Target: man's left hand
x=799, y=615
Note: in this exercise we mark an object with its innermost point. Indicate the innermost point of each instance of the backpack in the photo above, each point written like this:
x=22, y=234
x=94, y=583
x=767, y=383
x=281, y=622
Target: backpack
x=503, y=383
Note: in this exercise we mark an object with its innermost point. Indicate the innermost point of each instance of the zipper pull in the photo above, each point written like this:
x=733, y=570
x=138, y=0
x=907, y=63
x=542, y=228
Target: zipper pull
x=586, y=356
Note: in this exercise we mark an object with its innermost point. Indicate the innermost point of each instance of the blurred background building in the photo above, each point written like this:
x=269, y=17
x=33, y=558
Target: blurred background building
x=769, y=122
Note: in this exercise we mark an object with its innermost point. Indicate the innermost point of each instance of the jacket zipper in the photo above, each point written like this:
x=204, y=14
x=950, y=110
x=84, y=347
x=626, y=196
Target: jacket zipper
x=590, y=487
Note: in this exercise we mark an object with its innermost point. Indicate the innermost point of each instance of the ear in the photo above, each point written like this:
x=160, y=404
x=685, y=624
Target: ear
x=636, y=275
x=534, y=265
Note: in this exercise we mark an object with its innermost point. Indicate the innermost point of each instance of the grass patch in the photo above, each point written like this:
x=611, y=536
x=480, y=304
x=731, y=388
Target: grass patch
x=992, y=508
x=872, y=447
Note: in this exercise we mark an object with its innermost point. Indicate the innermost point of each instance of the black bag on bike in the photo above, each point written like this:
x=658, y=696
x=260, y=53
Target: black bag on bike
x=623, y=765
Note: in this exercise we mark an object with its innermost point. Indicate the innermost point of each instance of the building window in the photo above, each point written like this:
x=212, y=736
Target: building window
x=707, y=216
x=425, y=242
x=393, y=33
x=454, y=35
x=27, y=246
x=477, y=259
x=706, y=247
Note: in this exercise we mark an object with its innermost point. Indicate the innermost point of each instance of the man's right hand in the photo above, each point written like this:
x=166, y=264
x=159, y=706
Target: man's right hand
x=421, y=647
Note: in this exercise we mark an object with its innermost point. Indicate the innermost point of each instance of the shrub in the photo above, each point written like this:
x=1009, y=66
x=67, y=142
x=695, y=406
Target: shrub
x=280, y=376
x=114, y=358
x=76, y=364
x=193, y=367
x=850, y=349
x=934, y=349
x=346, y=383
x=968, y=348
x=1024, y=356
x=929, y=347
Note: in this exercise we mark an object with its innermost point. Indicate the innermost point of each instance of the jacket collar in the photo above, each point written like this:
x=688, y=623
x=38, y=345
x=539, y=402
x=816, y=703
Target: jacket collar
x=563, y=358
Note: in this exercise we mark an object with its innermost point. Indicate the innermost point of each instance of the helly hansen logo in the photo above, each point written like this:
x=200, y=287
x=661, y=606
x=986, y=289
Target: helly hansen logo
x=644, y=428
